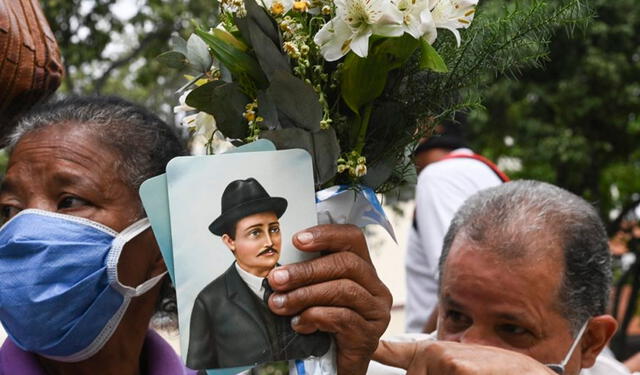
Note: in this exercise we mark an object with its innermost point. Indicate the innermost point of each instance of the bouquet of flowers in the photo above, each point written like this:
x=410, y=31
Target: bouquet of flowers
x=354, y=82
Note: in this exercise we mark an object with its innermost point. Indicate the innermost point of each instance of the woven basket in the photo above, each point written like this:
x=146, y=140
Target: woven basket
x=30, y=63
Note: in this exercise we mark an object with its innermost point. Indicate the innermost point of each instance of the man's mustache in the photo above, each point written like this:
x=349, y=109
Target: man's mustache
x=266, y=250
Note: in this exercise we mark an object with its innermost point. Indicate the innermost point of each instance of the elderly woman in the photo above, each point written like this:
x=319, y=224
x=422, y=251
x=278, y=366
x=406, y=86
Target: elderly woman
x=81, y=273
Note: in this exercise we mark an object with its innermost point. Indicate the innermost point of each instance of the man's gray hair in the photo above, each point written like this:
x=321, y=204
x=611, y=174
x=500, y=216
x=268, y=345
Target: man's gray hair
x=522, y=220
x=143, y=142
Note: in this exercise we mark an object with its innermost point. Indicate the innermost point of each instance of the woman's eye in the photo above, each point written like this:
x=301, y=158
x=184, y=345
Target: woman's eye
x=71, y=202
x=8, y=212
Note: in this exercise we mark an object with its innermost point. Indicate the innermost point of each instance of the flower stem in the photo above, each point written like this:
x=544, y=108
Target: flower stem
x=364, y=124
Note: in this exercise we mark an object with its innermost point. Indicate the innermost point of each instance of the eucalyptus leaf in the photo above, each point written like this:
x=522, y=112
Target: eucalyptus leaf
x=226, y=102
x=322, y=145
x=431, y=59
x=270, y=56
x=326, y=153
x=259, y=17
x=198, y=54
x=268, y=110
x=296, y=99
x=173, y=59
x=178, y=44
x=378, y=173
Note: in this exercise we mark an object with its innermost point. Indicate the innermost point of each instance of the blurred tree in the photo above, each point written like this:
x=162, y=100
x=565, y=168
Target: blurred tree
x=109, y=47
x=576, y=122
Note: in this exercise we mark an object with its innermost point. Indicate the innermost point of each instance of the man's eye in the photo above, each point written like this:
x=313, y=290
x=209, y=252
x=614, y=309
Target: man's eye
x=254, y=233
x=457, y=318
x=275, y=230
x=71, y=202
x=513, y=329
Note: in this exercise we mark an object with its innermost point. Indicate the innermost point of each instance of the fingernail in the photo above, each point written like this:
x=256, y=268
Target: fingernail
x=305, y=237
x=295, y=320
x=278, y=300
x=280, y=276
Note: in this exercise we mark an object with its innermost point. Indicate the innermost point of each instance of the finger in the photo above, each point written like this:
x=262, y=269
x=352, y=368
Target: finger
x=333, y=238
x=339, y=293
x=351, y=331
x=331, y=267
x=396, y=354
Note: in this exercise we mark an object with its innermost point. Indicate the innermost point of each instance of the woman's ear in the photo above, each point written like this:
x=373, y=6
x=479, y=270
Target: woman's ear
x=600, y=330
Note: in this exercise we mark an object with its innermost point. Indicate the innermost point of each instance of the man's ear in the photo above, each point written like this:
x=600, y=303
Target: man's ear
x=600, y=330
x=231, y=244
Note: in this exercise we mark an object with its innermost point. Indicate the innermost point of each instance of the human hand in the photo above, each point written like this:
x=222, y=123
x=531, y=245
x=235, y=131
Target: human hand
x=428, y=357
x=338, y=293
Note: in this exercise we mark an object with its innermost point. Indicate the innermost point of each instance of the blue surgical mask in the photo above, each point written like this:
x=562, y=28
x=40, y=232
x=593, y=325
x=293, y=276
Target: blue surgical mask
x=559, y=368
x=60, y=295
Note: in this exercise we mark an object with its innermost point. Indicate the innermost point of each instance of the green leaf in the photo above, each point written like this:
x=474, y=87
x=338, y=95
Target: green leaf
x=364, y=79
x=431, y=59
x=226, y=102
x=296, y=100
x=173, y=59
x=198, y=54
x=229, y=38
x=237, y=61
x=322, y=145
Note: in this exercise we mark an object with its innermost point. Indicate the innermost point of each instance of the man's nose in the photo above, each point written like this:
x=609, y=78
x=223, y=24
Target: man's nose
x=269, y=239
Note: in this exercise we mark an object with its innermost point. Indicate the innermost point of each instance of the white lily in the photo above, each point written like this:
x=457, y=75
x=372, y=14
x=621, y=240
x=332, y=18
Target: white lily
x=354, y=23
x=183, y=106
x=417, y=19
x=451, y=15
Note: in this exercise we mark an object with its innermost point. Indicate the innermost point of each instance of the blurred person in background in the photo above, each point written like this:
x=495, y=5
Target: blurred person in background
x=448, y=173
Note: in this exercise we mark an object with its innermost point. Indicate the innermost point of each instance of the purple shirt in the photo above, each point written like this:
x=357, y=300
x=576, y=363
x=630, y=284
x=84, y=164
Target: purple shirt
x=160, y=356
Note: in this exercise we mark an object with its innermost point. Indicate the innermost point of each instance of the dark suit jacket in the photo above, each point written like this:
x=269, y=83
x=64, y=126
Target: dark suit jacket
x=231, y=326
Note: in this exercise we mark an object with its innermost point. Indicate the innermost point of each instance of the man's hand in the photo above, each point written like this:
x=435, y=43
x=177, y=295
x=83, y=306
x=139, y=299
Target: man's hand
x=451, y=358
x=338, y=293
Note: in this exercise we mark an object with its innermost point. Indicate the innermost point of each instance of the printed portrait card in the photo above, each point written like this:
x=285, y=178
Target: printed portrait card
x=232, y=217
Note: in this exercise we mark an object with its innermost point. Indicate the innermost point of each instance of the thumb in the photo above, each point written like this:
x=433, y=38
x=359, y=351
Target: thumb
x=396, y=354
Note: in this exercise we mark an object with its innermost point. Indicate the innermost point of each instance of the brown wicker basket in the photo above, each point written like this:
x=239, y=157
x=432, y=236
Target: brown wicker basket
x=30, y=63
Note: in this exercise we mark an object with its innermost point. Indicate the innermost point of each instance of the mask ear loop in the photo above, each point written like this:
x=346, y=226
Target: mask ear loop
x=112, y=263
x=559, y=368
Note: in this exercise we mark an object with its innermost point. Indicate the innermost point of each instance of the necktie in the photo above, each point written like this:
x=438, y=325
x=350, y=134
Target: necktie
x=268, y=291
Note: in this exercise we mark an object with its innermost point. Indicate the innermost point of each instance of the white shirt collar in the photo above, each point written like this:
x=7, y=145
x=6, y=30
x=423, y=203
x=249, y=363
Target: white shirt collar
x=253, y=282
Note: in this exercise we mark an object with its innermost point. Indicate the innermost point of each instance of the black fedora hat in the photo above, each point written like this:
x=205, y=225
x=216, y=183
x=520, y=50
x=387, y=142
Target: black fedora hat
x=242, y=198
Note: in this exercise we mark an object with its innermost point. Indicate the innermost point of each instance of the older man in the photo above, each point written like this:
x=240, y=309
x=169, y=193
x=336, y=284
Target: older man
x=525, y=275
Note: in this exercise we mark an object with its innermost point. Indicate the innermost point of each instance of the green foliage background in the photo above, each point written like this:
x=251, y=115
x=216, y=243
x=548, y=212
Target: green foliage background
x=575, y=122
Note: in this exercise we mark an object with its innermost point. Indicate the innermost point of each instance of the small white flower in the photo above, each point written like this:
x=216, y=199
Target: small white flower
x=451, y=15
x=277, y=7
x=354, y=23
x=360, y=170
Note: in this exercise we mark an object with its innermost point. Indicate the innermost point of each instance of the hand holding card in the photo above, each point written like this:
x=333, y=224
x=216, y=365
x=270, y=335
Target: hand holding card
x=338, y=293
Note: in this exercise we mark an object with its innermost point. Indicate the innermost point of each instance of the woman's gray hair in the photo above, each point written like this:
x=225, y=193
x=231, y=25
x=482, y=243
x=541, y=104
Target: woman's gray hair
x=523, y=220
x=144, y=142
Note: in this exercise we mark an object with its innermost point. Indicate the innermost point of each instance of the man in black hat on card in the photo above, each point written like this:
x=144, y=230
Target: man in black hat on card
x=231, y=324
